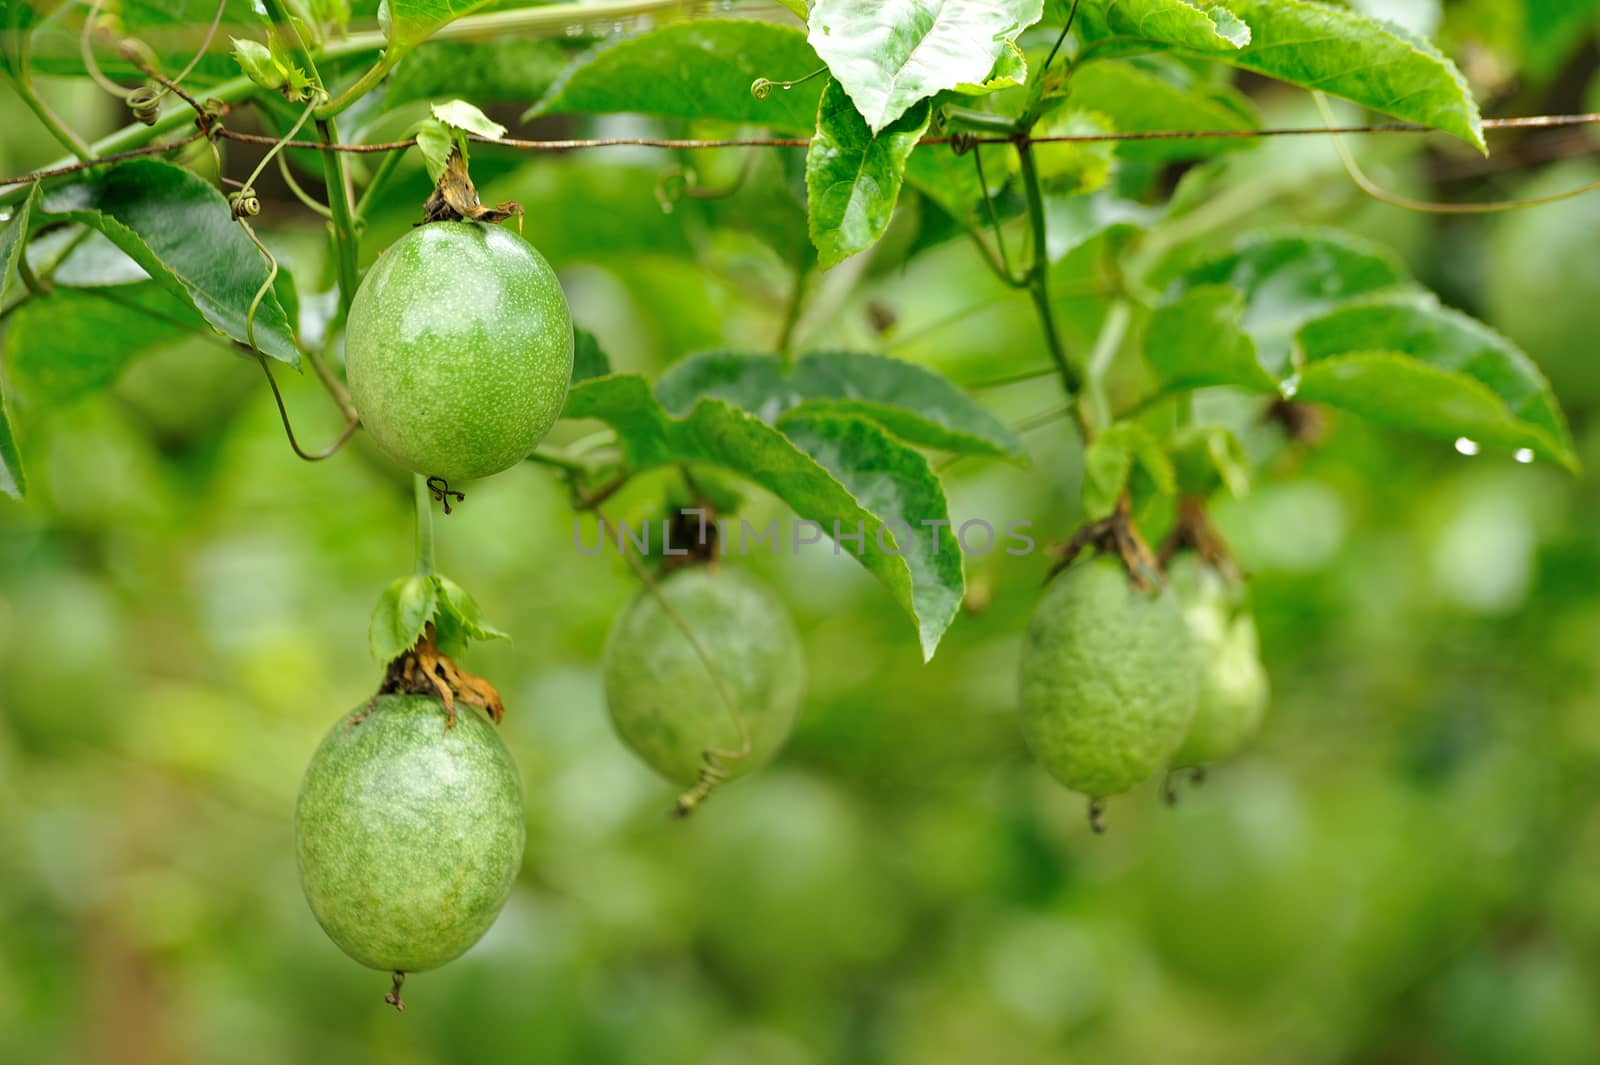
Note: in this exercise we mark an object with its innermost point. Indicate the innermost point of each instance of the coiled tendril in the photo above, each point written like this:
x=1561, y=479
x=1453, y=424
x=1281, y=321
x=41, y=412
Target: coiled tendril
x=244, y=203
x=712, y=773
x=145, y=102
x=762, y=88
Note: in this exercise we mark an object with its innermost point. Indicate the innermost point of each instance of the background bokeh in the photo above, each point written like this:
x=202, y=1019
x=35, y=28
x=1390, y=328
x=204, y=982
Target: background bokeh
x=1404, y=869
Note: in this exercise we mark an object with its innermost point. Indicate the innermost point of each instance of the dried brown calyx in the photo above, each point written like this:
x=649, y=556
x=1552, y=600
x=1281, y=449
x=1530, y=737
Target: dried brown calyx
x=455, y=198
x=1194, y=532
x=1115, y=534
x=423, y=670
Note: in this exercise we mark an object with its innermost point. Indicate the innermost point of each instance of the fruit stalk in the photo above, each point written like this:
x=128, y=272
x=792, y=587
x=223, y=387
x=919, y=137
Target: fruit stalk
x=424, y=505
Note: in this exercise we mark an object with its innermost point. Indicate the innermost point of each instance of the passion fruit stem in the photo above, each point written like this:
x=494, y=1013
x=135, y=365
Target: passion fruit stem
x=1115, y=534
x=393, y=997
x=421, y=491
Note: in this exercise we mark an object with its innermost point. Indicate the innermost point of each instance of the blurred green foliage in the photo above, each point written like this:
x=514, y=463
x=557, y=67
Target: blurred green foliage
x=1406, y=868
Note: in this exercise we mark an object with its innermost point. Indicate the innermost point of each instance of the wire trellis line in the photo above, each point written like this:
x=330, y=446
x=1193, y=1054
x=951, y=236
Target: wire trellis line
x=568, y=145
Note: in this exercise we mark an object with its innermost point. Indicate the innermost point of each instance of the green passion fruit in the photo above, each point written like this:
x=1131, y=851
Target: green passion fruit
x=409, y=834
x=1233, y=685
x=664, y=703
x=1107, y=679
x=459, y=350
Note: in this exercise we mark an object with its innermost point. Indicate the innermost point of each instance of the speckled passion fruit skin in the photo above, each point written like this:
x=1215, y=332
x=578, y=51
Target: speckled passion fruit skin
x=1233, y=685
x=459, y=350
x=665, y=705
x=1107, y=679
x=409, y=836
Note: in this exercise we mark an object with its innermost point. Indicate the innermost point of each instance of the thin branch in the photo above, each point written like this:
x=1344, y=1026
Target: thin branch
x=1518, y=122
x=117, y=157
x=171, y=85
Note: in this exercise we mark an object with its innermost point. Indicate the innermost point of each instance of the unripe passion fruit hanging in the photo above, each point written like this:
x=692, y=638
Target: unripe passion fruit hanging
x=1233, y=685
x=1107, y=679
x=409, y=835
x=667, y=707
x=459, y=350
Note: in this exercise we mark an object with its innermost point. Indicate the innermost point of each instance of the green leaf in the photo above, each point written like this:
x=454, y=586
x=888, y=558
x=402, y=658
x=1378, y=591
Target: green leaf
x=1106, y=466
x=1482, y=385
x=445, y=132
x=179, y=229
x=698, y=70
x=767, y=201
x=410, y=22
x=1197, y=27
x=174, y=27
x=716, y=432
x=910, y=401
x=331, y=13
x=18, y=19
x=1391, y=388
x=1010, y=70
x=409, y=604
x=853, y=176
x=57, y=348
x=13, y=239
x=503, y=70
x=949, y=180
x=1205, y=458
x=1197, y=341
x=1140, y=96
x=889, y=57
x=799, y=7
x=588, y=360
x=1288, y=278
x=436, y=142
x=1108, y=463
x=90, y=260
x=896, y=485
x=460, y=115
x=1371, y=63
x=1076, y=220
x=457, y=621
x=403, y=611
